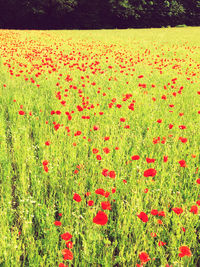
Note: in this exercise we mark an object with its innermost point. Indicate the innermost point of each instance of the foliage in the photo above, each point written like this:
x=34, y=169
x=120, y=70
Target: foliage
x=97, y=13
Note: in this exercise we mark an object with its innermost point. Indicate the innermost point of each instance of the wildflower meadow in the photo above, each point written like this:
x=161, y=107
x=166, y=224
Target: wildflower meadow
x=100, y=147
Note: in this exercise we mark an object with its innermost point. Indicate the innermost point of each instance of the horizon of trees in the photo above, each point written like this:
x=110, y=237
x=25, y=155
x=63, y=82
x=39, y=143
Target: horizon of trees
x=97, y=14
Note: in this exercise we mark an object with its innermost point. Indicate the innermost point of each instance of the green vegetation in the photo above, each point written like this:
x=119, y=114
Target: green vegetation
x=117, y=110
x=97, y=14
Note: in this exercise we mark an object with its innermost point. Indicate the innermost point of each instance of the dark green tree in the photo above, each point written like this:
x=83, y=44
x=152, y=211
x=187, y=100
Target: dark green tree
x=95, y=14
x=50, y=12
x=192, y=11
x=147, y=13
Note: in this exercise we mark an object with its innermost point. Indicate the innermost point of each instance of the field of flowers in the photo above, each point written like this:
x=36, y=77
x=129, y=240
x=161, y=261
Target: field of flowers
x=100, y=148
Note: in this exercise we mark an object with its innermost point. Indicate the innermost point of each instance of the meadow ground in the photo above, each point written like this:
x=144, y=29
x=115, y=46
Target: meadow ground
x=99, y=139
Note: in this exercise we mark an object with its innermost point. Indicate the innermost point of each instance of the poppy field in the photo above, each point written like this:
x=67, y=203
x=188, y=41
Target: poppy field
x=100, y=148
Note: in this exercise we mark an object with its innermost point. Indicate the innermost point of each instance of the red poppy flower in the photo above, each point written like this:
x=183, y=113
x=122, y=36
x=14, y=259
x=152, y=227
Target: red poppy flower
x=127, y=126
x=90, y=203
x=150, y=172
x=144, y=257
x=77, y=197
x=118, y=105
x=77, y=133
x=57, y=126
x=153, y=234
x=156, y=140
x=182, y=163
x=79, y=108
x=105, y=172
x=183, y=140
x=148, y=160
x=185, y=251
x=112, y=174
x=68, y=255
x=107, y=194
x=182, y=127
x=143, y=216
x=135, y=157
x=106, y=150
x=46, y=169
x=99, y=157
x=58, y=112
x=165, y=158
x=161, y=243
x=47, y=143
x=66, y=236
x=100, y=191
x=154, y=212
x=69, y=244
x=161, y=214
x=62, y=265
x=95, y=150
x=96, y=128
x=21, y=112
x=45, y=163
x=101, y=218
x=113, y=190
x=178, y=210
x=194, y=210
x=106, y=205
x=57, y=223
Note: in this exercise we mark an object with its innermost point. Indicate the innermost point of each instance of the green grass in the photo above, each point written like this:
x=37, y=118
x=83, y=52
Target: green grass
x=32, y=198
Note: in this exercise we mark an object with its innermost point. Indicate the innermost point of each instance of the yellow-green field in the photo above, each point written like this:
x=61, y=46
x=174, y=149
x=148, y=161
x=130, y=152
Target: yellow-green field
x=100, y=148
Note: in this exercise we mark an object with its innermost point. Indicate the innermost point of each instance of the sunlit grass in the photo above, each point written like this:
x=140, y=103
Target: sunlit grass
x=130, y=85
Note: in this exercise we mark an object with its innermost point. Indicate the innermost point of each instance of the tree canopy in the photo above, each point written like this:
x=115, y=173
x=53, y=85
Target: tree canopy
x=95, y=14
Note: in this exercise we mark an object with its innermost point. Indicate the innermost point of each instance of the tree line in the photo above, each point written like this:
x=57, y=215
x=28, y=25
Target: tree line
x=96, y=14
